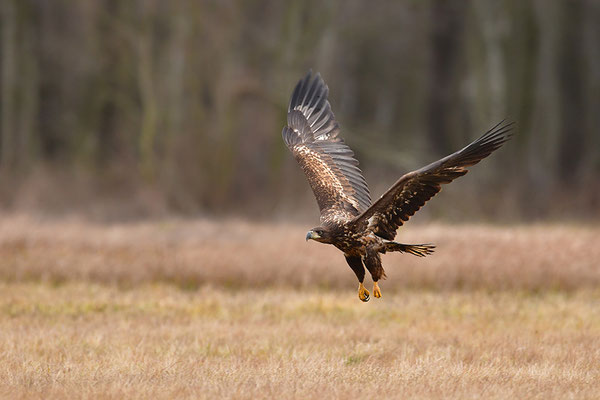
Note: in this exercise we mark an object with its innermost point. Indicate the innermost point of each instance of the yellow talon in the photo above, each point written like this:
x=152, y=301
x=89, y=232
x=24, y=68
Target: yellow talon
x=376, y=290
x=363, y=293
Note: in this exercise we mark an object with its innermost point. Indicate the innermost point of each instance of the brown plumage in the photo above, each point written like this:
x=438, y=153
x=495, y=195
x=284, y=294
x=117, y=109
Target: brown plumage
x=348, y=219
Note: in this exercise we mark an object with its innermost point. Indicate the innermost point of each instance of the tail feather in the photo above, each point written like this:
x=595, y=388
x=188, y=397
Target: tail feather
x=419, y=250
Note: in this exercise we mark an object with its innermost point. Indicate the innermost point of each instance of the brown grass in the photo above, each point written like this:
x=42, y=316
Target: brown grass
x=496, y=312
x=242, y=254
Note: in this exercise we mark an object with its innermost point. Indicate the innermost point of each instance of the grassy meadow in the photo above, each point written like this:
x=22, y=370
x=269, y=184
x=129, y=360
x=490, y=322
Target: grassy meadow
x=201, y=309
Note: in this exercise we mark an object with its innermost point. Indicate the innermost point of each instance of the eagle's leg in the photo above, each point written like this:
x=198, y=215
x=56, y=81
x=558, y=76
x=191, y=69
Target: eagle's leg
x=363, y=293
x=357, y=266
x=373, y=264
x=376, y=290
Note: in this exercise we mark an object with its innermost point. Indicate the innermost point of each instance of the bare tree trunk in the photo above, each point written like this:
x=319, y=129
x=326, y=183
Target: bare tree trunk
x=571, y=88
x=539, y=115
x=490, y=20
x=591, y=43
x=28, y=108
x=9, y=60
x=149, y=100
x=444, y=111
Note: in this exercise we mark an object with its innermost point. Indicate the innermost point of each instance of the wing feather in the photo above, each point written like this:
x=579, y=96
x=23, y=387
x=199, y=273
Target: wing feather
x=329, y=164
x=414, y=189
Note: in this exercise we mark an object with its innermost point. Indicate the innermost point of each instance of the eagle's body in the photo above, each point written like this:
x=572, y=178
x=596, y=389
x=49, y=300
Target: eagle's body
x=360, y=229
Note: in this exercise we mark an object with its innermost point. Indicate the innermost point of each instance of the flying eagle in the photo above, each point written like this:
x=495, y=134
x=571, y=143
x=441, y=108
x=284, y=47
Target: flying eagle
x=360, y=229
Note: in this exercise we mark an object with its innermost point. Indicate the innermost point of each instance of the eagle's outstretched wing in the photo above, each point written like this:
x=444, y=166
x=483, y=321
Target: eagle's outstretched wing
x=329, y=165
x=412, y=190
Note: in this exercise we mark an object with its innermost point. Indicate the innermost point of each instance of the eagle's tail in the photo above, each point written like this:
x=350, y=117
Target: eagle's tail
x=419, y=250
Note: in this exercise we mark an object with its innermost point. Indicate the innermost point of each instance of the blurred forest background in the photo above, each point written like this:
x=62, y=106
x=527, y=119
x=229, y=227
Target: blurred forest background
x=124, y=109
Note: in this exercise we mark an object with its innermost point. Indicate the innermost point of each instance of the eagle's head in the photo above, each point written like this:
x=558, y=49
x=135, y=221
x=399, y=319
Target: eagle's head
x=320, y=234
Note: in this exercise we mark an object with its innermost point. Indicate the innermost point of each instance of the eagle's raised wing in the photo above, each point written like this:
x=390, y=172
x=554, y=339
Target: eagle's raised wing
x=412, y=190
x=329, y=165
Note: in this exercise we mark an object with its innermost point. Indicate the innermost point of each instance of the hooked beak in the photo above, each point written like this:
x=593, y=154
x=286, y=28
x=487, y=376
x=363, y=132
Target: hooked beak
x=312, y=235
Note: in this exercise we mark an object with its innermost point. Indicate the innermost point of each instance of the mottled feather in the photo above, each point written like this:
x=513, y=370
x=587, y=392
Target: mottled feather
x=329, y=164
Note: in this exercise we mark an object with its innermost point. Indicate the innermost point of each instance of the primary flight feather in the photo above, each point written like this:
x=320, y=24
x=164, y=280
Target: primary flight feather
x=361, y=230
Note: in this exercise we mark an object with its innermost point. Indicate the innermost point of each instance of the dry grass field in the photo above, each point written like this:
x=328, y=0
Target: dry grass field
x=176, y=309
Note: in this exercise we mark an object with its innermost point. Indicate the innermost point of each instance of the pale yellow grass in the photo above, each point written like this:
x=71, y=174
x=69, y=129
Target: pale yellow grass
x=156, y=341
x=203, y=309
